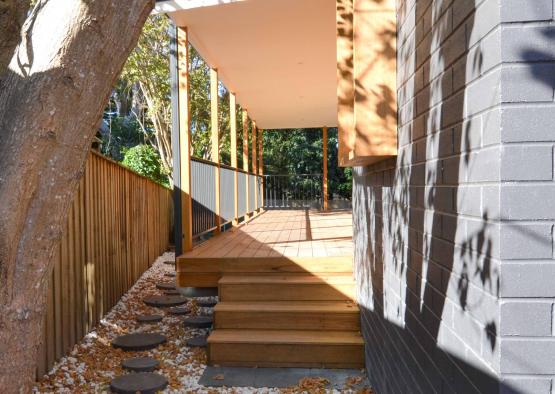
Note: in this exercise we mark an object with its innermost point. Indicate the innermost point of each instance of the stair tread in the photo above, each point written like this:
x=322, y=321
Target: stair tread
x=295, y=337
x=288, y=306
x=287, y=279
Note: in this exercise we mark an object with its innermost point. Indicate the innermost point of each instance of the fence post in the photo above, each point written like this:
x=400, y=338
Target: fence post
x=233, y=132
x=325, y=167
x=184, y=139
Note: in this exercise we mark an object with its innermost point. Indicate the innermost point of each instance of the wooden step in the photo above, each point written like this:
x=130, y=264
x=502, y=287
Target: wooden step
x=286, y=348
x=205, y=271
x=276, y=287
x=288, y=315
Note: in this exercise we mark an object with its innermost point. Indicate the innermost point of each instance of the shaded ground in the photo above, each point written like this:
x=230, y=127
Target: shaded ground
x=93, y=363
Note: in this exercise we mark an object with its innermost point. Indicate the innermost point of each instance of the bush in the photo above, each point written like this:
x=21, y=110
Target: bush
x=144, y=160
x=123, y=134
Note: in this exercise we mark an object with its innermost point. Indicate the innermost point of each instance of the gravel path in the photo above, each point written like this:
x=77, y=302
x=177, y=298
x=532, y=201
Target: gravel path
x=93, y=363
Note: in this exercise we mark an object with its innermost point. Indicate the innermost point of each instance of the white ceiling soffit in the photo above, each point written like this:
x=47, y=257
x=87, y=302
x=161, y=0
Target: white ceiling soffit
x=277, y=56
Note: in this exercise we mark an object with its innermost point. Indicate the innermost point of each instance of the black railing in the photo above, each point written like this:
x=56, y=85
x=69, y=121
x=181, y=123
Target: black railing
x=293, y=191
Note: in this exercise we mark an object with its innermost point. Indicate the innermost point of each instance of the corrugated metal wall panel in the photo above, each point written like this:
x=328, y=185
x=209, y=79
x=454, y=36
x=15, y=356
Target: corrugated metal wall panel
x=242, y=185
x=203, y=190
x=227, y=194
x=251, y=192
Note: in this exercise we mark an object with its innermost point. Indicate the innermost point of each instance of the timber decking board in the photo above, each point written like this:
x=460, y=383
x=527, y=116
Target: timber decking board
x=294, y=292
x=275, y=287
x=282, y=233
x=292, y=337
x=287, y=306
x=206, y=272
x=270, y=264
x=272, y=315
x=286, y=348
x=288, y=279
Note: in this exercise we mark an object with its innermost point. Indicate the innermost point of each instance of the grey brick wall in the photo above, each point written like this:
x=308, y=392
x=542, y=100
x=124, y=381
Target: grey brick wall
x=527, y=196
x=427, y=226
x=454, y=253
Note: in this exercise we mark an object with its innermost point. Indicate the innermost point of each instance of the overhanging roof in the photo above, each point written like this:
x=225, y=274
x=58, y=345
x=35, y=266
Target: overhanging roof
x=277, y=56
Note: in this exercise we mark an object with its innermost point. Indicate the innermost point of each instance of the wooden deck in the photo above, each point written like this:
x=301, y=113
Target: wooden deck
x=285, y=289
x=283, y=234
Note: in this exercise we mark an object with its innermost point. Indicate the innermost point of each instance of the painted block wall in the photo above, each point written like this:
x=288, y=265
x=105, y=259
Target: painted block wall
x=527, y=198
x=427, y=225
x=454, y=238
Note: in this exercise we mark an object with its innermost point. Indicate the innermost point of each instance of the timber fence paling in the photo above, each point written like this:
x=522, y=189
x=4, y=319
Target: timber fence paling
x=118, y=224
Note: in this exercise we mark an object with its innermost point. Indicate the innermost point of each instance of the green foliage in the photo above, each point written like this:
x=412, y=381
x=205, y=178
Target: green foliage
x=299, y=151
x=125, y=133
x=144, y=160
x=149, y=63
x=199, y=79
x=148, y=68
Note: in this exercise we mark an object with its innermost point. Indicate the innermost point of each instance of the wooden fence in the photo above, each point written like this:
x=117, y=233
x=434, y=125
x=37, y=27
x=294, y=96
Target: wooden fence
x=118, y=224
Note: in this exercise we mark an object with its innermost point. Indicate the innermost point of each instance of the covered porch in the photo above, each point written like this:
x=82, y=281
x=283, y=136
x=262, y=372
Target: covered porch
x=284, y=277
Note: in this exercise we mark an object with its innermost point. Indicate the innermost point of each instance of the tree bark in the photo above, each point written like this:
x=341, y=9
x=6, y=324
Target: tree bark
x=160, y=117
x=52, y=99
x=12, y=15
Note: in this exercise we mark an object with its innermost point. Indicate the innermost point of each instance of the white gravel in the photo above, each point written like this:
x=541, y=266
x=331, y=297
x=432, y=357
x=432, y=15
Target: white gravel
x=93, y=363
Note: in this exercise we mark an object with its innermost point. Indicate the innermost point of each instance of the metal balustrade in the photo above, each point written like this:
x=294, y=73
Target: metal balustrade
x=293, y=191
x=203, y=192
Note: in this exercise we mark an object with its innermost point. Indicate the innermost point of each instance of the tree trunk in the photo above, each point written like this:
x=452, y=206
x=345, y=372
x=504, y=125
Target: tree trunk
x=160, y=117
x=52, y=98
x=12, y=15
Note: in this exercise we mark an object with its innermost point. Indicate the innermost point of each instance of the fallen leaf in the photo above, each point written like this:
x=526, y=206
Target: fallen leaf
x=314, y=384
x=353, y=381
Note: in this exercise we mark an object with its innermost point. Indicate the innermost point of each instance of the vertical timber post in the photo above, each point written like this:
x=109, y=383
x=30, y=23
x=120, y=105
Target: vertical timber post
x=325, y=167
x=215, y=141
x=246, y=158
x=261, y=168
x=184, y=166
x=174, y=76
x=233, y=136
x=254, y=167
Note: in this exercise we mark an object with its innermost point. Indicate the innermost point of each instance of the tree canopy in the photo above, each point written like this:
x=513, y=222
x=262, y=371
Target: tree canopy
x=140, y=113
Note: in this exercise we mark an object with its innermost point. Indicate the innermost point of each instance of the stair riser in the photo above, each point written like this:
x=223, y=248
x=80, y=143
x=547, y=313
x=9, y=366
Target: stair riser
x=257, y=320
x=285, y=292
x=210, y=279
x=286, y=355
x=242, y=265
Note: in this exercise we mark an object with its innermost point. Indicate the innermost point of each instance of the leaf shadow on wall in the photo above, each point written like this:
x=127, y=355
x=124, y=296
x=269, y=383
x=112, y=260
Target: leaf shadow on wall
x=428, y=279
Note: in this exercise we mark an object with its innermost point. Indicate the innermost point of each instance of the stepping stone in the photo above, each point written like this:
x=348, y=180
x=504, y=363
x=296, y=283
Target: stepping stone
x=149, y=318
x=140, y=364
x=141, y=382
x=198, y=321
x=179, y=310
x=165, y=301
x=200, y=341
x=165, y=286
x=170, y=274
x=138, y=341
x=172, y=292
x=206, y=304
